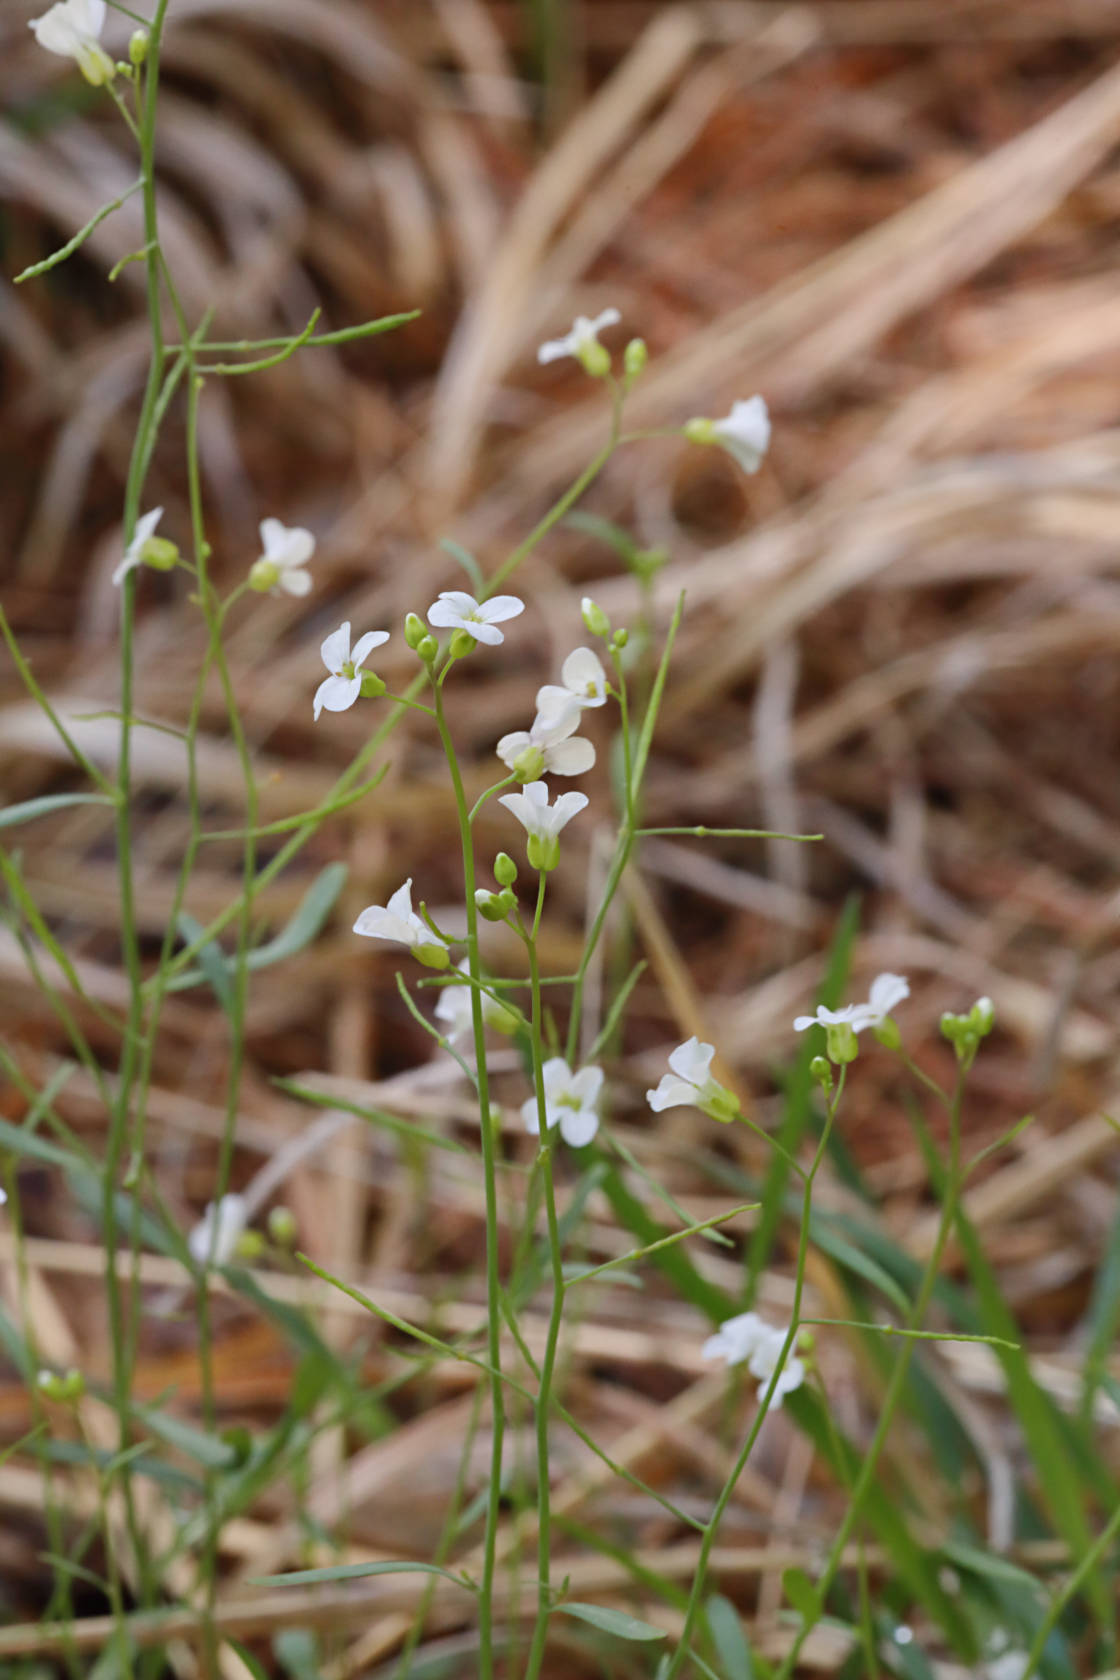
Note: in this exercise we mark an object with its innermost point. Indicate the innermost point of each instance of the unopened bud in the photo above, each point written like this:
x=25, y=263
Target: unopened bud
x=414, y=630
x=982, y=1016
x=635, y=357
x=619, y=640
x=594, y=618
x=490, y=905
x=820, y=1069
x=505, y=870
x=282, y=1226
x=427, y=648
x=138, y=47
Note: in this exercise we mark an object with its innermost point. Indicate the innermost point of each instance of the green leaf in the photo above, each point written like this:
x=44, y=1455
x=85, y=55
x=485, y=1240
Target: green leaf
x=211, y=960
x=22, y=1142
x=11, y=815
x=726, y=1628
x=355, y=1572
x=614, y=1622
x=802, y=1594
x=207, y=1450
x=310, y=914
x=468, y=562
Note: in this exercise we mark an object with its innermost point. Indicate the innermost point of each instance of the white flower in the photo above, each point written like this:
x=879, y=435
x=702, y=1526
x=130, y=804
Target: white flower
x=145, y=528
x=748, y=1338
x=569, y=1102
x=887, y=992
x=456, y=610
x=280, y=569
x=550, y=745
x=541, y=821
x=230, y=1216
x=582, y=342
x=3, y=1197
x=339, y=691
x=690, y=1085
x=399, y=921
x=454, y=1010
x=73, y=30
x=582, y=679
x=745, y=433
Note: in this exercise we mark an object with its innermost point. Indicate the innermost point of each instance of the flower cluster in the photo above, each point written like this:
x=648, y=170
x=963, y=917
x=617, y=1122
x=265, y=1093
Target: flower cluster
x=842, y=1025
x=748, y=1339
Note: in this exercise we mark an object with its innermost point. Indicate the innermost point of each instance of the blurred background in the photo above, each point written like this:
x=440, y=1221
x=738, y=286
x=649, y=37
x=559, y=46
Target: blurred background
x=898, y=220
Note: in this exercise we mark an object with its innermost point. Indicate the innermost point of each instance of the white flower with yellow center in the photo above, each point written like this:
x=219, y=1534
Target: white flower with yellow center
x=569, y=1102
x=72, y=29
x=398, y=921
x=748, y=1339
x=216, y=1236
x=456, y=610
x=583, y=343
x=582, y=679
x=744, y=433
x=456, y=1015
x=543, y=822
x=281, y=569
x=551, y=745
x=690, y=1084
x=146, y=547
x=341, y=688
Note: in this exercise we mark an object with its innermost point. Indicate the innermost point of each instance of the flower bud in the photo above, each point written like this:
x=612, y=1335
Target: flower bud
x=505, y=870
x=427, y=648
x=414, y=630
x=61, y=1386
x=282, y=1226
x=250, y=1245
x=820, y=1069
x=372, y=686
x=619, y=640
x=634, y=358
x=982, y=1016
x=263, y=576
x=490, y=905
x=138, y=47
x=888, y=1034
x=595, y=619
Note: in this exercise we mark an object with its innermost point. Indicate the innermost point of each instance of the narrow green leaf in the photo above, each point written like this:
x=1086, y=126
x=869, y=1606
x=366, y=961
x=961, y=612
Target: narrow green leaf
x=467, y=560
x=802, y=1594
x=207, y=1450
x=79, y=238
x=310, y=914
x=355, y=1572
x=614, y=1622
x=726, y=1628
x=11, y=815
x=211, y=960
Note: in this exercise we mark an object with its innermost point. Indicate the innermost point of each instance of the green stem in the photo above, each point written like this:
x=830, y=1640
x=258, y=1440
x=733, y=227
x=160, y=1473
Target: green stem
x=490, y=1181
x=552, y=1343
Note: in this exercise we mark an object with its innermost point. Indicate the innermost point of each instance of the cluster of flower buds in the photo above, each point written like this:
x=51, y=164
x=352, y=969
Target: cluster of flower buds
x=964, y=1032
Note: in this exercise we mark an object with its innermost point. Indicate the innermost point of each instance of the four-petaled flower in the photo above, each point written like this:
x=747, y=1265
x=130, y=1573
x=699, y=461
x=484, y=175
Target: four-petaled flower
x=550, y=745
x=399, y=921
x=887, y=992
x=582, y=679
x=749, y=1339
x=73, y=30
x=217, y=1234
x=541, y=821
x=145, y=530
x=455, y=1011
x=569, y=1102
x=456, y=610
x=281, y=568
x=690, y=1085
x=744, y=433
x=583, y=343
x=339, y=691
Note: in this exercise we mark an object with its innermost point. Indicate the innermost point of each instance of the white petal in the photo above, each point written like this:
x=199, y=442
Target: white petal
x=693, y=1061
x=335, y=649
x=365, y=645
x=578, y=1126
x=145, y=526
x=296, y=547
x=94, y=16
x=293, y=581
x=672, y=1093
x=521, y=808
x=499, y=608
x=375, y=922
x=272, y=534
x=401, y=902
x=510, y=746
x=557, y=725
x=488, y=633
x=128, y=564
x=570, y=758
x=554, y=349
x=568, y=805
x=337, y=693
x=583, y=674
x=531, y=1117
x=458, y=602
x=586, y=1085
x=887, y=992
x=606, y=318
x=57, y=32
x=745, y=433
x=556, y=1076
x=553, y=702
x=804, y=1021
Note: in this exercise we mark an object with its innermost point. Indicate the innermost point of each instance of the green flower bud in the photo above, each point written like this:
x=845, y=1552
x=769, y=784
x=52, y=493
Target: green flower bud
x=490, y=905
x=263, y=576
x=505, y=870
x=820, y=1070
x=594, y=618
x=61, y=1386
x=250, y=1245
x=635, y=357
x=414, y=630
x=507, y=899
x=427, y=648
x=887, y=1033
x=282, y=1226
x=138, y=47
x=372, y=687
x=619, y=640
x=982, y=1016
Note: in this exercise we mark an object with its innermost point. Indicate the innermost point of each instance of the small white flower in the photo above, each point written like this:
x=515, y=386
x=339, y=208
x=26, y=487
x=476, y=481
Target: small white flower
x=541, y=821
x=690, y=1085
x=145, y=528
x=887, y=992
x=456, y=610
x=455, y=1012
x=72, y=29
x=569, y=1102
x=281, y=568
x=3, y=1197
x=550, y=745
x=749, y=1339
x=584, y=337
x=582, y=679
x=399, y=921
x=339, y=691
x=745, y=433
x=230, y=1217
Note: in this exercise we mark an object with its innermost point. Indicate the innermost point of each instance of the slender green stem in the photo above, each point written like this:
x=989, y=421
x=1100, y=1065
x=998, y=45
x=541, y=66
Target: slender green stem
x=556, y=1311
x=490, y=1181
